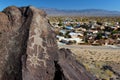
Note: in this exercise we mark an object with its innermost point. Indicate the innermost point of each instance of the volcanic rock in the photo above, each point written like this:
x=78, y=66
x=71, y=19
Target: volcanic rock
x=28, y=48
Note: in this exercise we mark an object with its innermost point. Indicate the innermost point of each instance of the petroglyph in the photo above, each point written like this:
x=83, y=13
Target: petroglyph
x=35, y=60
x=38, y=41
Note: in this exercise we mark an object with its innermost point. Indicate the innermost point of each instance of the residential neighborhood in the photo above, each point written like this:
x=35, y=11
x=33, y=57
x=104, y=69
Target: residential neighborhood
x=92, y=32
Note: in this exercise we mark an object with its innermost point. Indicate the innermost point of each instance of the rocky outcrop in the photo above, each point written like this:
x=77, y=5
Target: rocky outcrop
x=28, y=49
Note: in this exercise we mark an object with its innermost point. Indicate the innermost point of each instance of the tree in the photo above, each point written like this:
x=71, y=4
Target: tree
x=99, y=36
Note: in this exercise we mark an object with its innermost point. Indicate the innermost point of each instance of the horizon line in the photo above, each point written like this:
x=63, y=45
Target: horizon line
x=79, y=9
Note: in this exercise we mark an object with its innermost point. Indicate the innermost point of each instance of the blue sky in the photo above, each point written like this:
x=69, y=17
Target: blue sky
x=113, y=5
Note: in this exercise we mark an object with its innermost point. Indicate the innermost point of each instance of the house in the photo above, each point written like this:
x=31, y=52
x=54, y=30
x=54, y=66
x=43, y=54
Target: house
x=69, y=28
x=63, y=32
x=78, y=25
x=75, y=35
x=81, y=29
x=64, y=41
x=59, y=37
x=77, y=40
x=94, y=31
x=69, y=40
x=89, y=33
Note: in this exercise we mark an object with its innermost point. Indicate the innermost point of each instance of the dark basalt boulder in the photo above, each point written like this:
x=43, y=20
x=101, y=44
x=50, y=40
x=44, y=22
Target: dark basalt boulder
x=28, y=49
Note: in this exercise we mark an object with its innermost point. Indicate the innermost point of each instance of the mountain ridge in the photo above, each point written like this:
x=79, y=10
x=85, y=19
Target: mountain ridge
x=82, y=12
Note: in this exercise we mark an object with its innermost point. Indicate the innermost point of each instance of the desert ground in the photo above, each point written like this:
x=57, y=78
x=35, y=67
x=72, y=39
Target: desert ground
x=101, y=61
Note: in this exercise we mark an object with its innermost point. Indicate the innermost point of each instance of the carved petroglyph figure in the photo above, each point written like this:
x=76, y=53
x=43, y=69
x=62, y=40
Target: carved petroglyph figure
x=35, y=61
x=38, y=41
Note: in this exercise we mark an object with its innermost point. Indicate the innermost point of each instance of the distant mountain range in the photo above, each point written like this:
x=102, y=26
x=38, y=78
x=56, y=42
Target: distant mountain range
x=85, y=12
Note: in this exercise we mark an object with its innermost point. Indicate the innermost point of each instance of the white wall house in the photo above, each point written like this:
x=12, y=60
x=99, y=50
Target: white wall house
x=78, y=40
x=60, y=37
x=75, y=35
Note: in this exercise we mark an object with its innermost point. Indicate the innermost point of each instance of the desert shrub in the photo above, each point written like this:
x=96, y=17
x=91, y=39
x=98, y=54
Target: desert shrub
x=61, y=34
x=86, y=67
x=60, y=24
x=109, y=73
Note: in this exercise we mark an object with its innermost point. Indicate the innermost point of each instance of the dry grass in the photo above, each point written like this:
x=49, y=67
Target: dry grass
x=94, y=58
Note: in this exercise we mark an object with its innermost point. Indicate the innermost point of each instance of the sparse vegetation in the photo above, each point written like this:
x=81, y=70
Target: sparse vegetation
x=103, y=63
